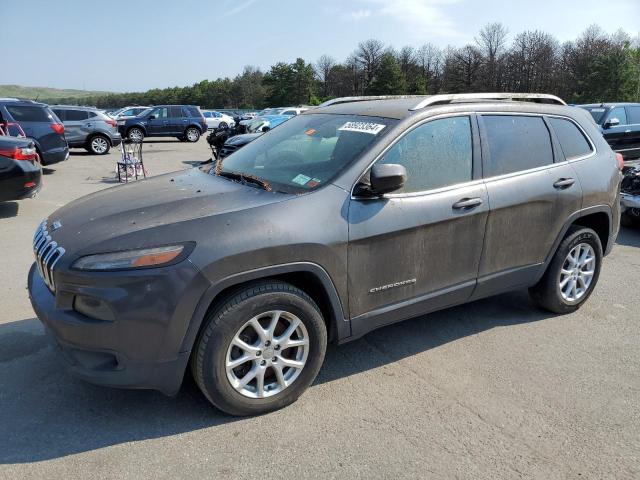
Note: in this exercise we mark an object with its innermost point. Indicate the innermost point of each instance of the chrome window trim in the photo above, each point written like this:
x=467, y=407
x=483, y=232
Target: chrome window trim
x=483, y=179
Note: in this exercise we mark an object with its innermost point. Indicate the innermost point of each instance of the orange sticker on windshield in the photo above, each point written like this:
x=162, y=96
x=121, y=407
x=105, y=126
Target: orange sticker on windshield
x=311, y=131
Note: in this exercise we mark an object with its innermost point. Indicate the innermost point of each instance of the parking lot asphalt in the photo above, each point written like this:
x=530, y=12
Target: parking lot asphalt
x=493, y=389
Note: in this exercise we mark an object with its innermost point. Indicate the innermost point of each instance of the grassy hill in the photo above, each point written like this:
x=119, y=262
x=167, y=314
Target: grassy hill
x=43, y=93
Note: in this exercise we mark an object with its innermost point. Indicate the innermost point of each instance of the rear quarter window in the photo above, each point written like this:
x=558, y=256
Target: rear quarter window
x=572, y=141
x=516, y=143
x=193, y=112
x=28, y=113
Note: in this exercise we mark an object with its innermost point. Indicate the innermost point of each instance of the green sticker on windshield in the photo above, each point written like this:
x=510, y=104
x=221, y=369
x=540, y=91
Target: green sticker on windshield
x=301, y=179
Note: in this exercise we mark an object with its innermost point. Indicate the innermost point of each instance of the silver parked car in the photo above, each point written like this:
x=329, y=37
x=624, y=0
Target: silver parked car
x=88, y=128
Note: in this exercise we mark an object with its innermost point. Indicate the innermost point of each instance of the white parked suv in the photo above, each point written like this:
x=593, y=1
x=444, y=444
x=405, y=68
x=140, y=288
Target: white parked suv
x=216, y=119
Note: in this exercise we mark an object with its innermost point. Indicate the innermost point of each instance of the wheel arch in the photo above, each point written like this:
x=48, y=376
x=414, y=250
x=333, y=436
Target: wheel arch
x=99, y=134
x=193, y=125
x=598, y=218
x=144, y=130
x=308, y=277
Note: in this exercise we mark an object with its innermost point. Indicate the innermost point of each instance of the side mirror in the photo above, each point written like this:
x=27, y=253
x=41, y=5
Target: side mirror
x=386, y=178
x=266, y=128
x=612, y=122
x=152, y=117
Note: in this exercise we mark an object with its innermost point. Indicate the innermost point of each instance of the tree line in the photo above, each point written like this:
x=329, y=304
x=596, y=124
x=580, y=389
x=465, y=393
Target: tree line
x=595, y=67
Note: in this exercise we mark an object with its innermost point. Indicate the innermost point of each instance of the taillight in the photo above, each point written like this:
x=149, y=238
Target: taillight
x=26, y=153
x=111, y=122
x=620, y=160
x=57, y=127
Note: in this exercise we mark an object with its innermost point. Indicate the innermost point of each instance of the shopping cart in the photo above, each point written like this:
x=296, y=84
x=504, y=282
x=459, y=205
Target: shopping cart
x=130, y=166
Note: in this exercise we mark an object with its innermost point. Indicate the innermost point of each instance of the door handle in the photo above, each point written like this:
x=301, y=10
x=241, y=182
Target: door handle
x=467, y=203
x=563, y=183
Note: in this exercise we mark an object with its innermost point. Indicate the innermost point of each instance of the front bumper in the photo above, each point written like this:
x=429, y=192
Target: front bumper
x=140, y=347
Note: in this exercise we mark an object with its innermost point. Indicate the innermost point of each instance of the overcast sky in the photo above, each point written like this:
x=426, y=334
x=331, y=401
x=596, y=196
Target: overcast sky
x=140, y=44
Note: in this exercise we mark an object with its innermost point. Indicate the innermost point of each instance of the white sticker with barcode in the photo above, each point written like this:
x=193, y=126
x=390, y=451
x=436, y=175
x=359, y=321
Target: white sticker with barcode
x=363, y=127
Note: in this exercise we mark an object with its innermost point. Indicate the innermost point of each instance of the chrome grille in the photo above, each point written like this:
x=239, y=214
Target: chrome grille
x=48, y=253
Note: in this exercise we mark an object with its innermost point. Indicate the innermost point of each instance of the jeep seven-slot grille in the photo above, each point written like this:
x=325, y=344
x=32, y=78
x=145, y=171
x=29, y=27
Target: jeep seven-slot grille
x=48, y=253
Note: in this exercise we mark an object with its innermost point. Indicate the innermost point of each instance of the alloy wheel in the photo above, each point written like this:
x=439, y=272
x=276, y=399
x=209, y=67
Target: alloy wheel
x=99, y=145
x=192, y=135
x=577, y=272
x=267, y=354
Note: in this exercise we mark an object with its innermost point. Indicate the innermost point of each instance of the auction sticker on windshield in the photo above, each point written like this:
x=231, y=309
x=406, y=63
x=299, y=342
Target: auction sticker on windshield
x=364, y=127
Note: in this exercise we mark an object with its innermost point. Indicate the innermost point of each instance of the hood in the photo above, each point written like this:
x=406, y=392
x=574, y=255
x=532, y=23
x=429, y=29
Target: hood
x=243, y=139
x=156, y=202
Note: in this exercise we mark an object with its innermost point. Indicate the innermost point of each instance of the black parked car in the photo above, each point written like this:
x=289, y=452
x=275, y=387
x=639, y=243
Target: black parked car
x=620, y=126
x=184, y=122
x=346, y=218
x=20, y=170
x=40, y=124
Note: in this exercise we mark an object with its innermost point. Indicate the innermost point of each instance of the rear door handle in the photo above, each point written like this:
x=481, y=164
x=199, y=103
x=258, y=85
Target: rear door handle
x=467, y=203
x=564, y=183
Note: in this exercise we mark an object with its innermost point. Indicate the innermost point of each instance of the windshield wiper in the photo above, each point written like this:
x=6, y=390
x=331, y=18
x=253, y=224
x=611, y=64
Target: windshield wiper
x=245, y=178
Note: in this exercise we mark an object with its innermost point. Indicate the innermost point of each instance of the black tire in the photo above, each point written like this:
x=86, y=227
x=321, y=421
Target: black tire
x=135, y=130
x=223, y=125
x=223, y=323
x=98, y=145
x=546, y=293
x=192, y=134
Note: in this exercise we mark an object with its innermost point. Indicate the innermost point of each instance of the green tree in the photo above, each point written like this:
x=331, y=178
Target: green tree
x=388, y=79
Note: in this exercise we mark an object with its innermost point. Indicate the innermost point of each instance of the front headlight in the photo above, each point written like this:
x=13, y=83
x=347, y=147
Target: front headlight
x=143, y=258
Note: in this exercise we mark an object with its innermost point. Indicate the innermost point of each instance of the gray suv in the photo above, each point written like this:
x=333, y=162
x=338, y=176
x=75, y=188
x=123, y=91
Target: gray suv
x=351, y=216
x=88, y=128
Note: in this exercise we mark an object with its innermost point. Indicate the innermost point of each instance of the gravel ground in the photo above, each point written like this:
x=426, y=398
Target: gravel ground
x=494, y=389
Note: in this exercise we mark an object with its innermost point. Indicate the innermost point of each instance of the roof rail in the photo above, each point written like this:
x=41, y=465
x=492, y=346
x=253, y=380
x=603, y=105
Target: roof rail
x=337, y=101
x=471, y=97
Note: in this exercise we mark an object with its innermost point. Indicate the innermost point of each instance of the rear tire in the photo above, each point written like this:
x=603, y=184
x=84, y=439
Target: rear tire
x=192, y=134
x=281, y=373
x=555, y=291
x=99, y=145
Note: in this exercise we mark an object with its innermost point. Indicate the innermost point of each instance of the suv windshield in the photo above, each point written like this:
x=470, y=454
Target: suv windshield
x=307, y=151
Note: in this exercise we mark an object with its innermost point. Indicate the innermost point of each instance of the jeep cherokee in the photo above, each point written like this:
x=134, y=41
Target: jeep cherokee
x=348, y=217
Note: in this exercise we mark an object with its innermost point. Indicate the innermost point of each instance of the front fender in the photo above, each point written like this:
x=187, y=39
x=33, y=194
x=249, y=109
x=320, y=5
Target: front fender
x=339, y=322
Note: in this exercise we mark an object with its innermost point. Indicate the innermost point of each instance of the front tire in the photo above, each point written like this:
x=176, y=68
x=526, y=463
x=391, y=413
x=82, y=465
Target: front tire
x=260, y=349
x=192, y=134
x=135, y=134
x=572, y=274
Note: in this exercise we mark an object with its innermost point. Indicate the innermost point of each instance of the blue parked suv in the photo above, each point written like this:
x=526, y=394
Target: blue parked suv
x=185, y=122
x=40, y=124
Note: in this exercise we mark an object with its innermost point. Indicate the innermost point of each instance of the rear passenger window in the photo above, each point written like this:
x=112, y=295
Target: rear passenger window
x=193, y=111
x=76, y=115
x=516, y=143
x=436, y=154
x=572, y=140
x=28, y=113
x=176, y=112
x=634, y=115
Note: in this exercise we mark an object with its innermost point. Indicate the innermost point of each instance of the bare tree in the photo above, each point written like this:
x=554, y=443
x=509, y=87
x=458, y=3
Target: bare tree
x=368, y=56
x=492, y=42
x=429, y=60
x=323, y=68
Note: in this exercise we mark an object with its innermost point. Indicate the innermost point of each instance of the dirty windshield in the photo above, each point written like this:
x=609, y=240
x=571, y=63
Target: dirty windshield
x=306, y=152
